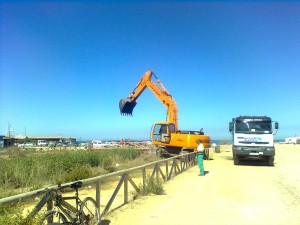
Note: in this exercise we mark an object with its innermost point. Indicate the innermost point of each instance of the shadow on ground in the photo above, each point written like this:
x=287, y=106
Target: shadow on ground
x=104, y=222
x=248, y=162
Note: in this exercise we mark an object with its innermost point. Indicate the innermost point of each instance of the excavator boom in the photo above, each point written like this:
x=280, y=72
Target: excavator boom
x=127, y=105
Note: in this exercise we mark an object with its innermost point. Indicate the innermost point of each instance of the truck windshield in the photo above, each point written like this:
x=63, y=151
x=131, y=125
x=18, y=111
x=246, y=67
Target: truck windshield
x=253, y=127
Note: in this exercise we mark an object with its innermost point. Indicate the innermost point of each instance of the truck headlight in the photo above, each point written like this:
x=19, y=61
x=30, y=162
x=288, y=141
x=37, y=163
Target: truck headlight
x=238, y=148
x=270, y=149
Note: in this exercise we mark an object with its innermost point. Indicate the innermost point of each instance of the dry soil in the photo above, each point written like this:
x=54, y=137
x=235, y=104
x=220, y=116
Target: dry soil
x=251, y=193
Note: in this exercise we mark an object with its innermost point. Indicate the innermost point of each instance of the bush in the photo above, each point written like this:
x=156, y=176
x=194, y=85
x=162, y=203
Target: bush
x=77, y=173
x=12, y=215
x=153, y=186
x=107, y=164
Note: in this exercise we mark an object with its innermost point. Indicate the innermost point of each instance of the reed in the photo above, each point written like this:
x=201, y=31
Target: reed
x=21, y=172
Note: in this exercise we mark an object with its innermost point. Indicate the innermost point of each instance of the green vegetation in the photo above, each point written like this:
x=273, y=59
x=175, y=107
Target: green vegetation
x=23, y=171
x=12, y=215
x=153, y=186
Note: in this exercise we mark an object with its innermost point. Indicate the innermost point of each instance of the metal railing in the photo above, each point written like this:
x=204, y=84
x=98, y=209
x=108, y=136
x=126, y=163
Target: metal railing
x=172, y=167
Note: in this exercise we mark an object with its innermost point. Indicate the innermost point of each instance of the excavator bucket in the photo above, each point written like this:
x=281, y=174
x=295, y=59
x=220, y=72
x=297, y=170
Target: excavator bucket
x=126, y=106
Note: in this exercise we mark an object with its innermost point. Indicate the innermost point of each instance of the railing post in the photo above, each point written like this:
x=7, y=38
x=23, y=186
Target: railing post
x=49, y=207
x=156, y=171
x=126, y=189
x=175, y=166
x=50, y=203
x=185, y=162
x=181, y=158
x=167, y=170
x=98, y=188
x=144, y=178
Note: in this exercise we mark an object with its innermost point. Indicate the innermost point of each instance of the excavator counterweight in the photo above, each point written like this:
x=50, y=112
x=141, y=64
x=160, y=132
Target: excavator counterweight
x=126, y=106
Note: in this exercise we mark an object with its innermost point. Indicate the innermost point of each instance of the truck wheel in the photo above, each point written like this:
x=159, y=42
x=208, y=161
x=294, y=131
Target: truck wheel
x=271, y=161
x=236, y=160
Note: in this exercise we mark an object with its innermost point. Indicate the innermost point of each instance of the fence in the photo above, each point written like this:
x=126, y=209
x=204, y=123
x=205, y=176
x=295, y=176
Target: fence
x=172, y=167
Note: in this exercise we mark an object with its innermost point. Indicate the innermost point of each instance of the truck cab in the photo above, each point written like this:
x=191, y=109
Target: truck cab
x=253, y=137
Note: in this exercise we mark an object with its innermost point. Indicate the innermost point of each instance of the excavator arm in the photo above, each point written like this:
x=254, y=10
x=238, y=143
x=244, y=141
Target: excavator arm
x=127, y=104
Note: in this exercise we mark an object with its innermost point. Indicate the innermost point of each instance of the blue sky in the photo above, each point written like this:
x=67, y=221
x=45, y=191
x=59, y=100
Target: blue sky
x=64, y=66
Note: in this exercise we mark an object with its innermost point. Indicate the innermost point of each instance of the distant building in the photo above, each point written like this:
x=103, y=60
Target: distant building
x=46, y=138
x=10, y=141
x=1, y=141
x=6, y=141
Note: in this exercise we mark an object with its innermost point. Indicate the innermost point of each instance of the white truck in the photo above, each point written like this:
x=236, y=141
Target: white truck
x=253, y=138
x=42, y=143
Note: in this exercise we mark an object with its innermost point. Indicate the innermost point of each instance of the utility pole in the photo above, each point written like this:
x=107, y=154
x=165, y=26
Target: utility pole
x=8, y=131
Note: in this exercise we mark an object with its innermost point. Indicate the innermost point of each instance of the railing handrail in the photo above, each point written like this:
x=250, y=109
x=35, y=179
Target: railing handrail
x=26, y=195
x=23, y=196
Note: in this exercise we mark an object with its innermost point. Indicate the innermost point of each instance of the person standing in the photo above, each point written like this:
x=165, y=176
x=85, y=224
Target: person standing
x=200, y=151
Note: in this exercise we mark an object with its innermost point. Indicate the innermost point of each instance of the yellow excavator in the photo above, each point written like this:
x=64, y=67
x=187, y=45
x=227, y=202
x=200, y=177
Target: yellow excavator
x=165, y=135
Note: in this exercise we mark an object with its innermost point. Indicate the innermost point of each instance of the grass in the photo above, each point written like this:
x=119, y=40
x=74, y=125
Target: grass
x=25, y=171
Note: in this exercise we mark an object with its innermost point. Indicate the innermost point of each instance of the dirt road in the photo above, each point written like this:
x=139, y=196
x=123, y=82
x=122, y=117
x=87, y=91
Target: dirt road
x=252, y=193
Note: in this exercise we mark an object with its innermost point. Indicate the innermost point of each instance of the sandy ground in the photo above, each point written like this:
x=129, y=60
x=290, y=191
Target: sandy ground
x=251, y=193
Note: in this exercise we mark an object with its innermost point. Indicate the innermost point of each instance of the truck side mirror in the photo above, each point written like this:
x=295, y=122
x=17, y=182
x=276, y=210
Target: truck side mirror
x=276, y=125
x=230, y=127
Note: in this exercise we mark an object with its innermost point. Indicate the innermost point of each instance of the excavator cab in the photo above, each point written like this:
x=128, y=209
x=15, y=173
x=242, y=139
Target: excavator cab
x=161, y=132
x=126, y=106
